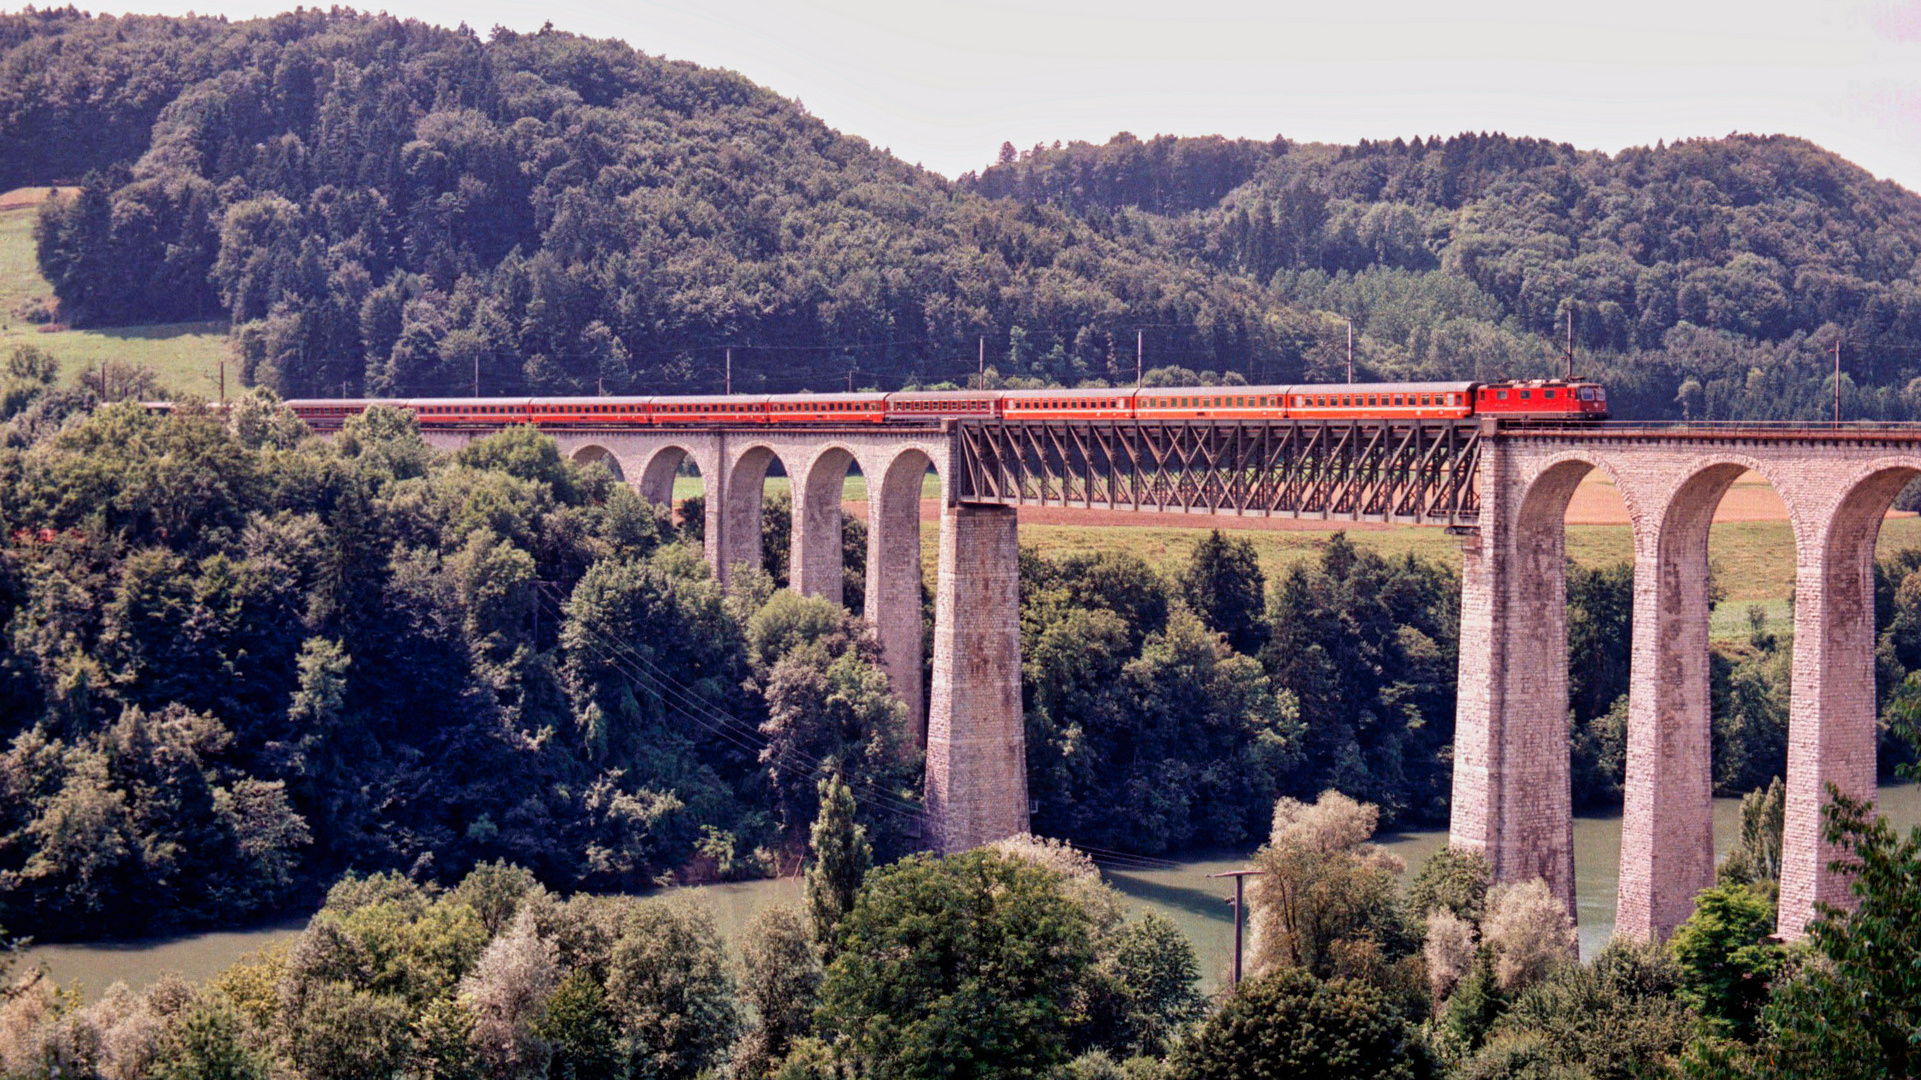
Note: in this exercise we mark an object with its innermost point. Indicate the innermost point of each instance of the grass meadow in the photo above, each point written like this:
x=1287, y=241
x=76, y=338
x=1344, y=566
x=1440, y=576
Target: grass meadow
x=1752, y=560
x=186, y=356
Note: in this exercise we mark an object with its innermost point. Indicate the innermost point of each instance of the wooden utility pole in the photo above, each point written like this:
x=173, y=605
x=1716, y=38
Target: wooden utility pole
x=1570, y=342
x=980, y=378
x=1350, y=352
x=476, y=374
x=1837, y=380
x=1240, y=904
x=1140, y=339
x=730, y=371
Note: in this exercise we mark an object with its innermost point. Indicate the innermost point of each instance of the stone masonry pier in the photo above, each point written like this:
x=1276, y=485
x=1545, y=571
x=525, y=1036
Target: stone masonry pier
x=1511, y=796
x=970, y=726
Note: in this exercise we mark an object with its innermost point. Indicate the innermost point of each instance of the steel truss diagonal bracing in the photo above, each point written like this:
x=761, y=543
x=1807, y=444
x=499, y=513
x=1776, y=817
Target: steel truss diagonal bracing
x=1420, y=472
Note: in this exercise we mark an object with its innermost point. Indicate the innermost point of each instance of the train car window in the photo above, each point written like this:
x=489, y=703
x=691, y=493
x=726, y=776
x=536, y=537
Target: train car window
x=1526, y=394
x=1500, y=395
x=1548, y=394
x=1587, y=393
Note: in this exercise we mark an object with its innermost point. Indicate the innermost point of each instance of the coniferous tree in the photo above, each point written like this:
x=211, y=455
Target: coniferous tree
x=1225, y=587
x=842, y=857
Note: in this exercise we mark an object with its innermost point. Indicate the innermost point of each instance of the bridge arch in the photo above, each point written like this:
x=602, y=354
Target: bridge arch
x=815, y=566
x=1667, y=833
x=596, y=454
x=743, y=499
x=1533, y=835
x=658, y=471
x=894, y=582
x=1831, y=725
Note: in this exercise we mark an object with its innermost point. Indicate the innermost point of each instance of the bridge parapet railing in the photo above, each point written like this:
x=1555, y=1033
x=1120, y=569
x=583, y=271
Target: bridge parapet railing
x=1722, y=430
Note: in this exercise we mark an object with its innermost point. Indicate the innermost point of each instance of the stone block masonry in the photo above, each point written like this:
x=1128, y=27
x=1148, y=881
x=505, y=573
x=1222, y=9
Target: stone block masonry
x=1511, y=761
x=976, y=788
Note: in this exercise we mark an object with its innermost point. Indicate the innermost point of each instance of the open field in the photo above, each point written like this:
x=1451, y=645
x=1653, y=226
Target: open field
x=185, y=355
x=1750, y=548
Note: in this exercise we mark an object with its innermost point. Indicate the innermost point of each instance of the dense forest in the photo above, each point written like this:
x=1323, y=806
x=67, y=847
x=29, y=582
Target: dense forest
x=386, y=207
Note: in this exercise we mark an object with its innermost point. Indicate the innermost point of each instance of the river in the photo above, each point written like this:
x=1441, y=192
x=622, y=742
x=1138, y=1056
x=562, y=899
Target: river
x=1182, y=891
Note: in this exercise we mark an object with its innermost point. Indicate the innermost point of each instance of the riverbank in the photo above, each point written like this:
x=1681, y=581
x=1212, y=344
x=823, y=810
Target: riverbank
x=1179, y=889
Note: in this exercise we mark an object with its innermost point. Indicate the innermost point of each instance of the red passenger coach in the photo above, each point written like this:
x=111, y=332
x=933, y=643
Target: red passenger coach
x=1210, y=403
x=1067, y=404
x=710, y=410
x=590, y=412
x=827, y=409
x=1371, y=401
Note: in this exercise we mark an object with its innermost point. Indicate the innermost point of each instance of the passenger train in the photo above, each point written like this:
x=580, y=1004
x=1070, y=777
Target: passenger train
x=1546, y=400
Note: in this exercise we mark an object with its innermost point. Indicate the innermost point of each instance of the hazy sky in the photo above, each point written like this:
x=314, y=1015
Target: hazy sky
x=944, y=82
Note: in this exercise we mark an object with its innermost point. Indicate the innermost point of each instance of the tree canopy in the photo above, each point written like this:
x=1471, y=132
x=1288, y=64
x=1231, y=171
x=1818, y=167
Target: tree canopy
x=385, y=206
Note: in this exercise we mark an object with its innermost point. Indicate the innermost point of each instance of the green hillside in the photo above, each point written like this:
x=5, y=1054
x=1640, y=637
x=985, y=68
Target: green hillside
x=388, y=206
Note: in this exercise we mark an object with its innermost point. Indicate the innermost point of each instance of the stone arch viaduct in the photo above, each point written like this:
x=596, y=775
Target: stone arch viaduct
x=1506, y=490
x=1510, y=752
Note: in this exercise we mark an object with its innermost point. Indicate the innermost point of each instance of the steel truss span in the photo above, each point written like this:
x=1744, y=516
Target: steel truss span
x=1420, y=472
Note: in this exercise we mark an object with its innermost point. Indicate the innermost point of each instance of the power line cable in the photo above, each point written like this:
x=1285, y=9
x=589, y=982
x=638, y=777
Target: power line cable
x=878, y=798
x=735, y=730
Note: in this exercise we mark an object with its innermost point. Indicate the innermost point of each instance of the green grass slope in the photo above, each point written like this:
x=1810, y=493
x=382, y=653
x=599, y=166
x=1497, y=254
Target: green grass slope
x=187, y=356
